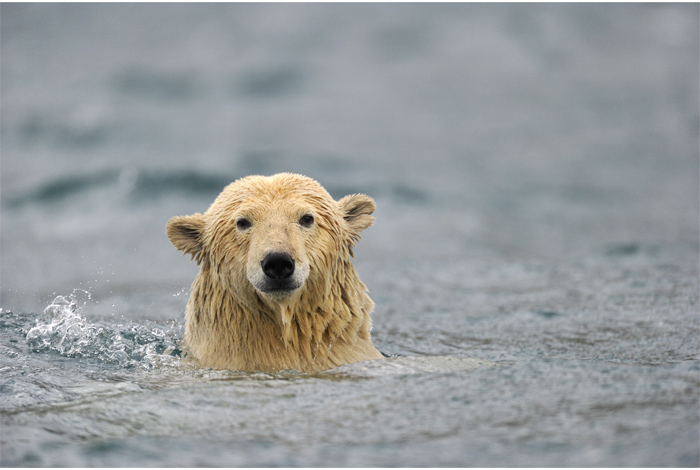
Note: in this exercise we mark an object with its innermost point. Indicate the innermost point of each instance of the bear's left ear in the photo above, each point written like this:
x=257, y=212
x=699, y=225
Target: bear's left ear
x=357, y=210
x=185, y=232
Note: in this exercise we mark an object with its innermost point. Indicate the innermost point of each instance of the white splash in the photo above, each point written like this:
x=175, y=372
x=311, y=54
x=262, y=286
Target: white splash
x=63, y=329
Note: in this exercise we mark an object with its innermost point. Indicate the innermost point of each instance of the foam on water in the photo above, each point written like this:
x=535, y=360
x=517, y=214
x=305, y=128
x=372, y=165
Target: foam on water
x=65, y=330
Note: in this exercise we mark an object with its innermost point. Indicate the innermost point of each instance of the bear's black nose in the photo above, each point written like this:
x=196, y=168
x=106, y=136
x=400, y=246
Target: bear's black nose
x=278, y=266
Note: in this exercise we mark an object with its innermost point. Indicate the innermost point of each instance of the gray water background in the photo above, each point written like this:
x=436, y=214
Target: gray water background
x=535, y=169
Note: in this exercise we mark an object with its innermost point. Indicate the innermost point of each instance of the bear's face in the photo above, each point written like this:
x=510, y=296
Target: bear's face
x=273, y=236
x=277, y=237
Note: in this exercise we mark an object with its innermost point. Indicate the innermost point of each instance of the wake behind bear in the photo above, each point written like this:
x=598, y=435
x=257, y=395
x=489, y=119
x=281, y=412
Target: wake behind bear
x=276, y=288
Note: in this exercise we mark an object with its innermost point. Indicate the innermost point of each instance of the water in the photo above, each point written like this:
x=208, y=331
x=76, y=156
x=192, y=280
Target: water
x=534, y=260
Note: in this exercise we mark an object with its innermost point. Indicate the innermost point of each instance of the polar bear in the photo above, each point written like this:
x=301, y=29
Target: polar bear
x=276, y=288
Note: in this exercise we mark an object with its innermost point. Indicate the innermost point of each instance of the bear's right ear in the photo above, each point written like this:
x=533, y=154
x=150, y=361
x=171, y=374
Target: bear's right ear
x=185, y=232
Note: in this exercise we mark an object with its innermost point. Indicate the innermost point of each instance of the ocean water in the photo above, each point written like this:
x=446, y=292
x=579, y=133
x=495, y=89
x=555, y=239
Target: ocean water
x=534, y=262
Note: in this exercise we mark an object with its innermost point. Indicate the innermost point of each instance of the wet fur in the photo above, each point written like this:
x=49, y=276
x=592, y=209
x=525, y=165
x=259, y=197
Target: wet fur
x=230, y=325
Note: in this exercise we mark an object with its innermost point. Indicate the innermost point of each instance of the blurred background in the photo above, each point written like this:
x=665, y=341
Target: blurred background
x=499, y=132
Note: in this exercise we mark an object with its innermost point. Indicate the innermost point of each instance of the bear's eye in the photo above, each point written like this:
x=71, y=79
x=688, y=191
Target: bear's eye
x=306, y=220
x=243, y=224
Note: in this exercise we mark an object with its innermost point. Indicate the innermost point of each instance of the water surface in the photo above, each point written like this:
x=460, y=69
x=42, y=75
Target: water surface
x=534, y=261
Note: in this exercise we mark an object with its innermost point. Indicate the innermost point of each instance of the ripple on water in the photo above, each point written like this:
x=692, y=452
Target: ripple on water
x=409, y=365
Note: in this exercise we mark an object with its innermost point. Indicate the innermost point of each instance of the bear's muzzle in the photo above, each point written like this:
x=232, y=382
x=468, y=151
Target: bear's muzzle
x=279, y=275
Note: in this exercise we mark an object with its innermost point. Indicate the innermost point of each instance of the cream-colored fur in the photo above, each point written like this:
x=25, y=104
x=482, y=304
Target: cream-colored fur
x=232, y=322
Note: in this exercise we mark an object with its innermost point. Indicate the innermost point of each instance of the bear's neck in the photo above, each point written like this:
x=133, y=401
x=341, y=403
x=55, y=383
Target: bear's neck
x=325, y=326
